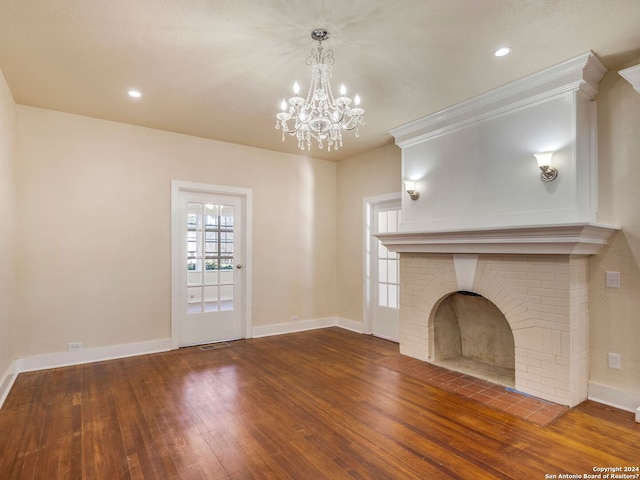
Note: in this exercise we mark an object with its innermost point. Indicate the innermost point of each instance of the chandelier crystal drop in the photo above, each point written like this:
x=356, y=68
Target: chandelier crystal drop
x=319, y=116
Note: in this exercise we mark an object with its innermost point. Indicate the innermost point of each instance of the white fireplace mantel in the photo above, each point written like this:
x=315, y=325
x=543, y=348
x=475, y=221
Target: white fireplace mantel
x=563, y=239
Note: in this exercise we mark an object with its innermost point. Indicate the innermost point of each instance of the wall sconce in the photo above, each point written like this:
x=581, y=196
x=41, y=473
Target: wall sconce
x=410, y=187
x=547, y=172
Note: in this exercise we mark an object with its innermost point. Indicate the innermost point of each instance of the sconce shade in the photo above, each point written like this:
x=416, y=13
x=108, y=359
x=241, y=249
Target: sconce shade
x=410, y=187
x=544, y=159
x=548, y=173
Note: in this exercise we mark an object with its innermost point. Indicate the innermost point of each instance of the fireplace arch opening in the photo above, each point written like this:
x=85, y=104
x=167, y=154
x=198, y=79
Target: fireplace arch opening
x=472, y=336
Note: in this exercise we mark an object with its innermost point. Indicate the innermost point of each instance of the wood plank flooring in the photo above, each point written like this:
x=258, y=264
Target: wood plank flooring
x=310, y=405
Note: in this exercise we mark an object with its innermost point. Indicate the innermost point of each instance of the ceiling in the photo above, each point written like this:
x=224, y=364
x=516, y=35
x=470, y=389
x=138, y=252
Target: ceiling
x=219, y=69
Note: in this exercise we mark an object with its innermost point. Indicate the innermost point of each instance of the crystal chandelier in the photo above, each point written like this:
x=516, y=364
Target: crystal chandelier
x=320, y=116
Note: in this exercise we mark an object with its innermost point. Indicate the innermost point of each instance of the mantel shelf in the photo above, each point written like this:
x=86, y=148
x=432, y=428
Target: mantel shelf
x=564, y=239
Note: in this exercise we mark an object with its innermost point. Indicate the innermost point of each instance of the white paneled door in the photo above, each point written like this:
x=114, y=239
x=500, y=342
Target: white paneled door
x=211, y=276
x=385, y=273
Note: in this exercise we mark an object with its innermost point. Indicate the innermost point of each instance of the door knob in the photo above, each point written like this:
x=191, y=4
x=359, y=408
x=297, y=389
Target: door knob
x=238, y=266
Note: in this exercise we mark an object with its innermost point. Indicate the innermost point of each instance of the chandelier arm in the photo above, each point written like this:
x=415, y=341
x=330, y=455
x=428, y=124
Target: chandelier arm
x=285, y=129
x=348, y=128
x=339, y=122
x=353, y=122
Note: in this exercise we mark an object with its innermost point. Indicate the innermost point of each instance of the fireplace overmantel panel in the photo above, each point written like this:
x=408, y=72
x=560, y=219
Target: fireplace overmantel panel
x=473, y=163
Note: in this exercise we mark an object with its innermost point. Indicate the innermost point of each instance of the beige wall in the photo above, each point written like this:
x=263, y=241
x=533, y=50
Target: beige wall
x=615, y=313
x=373, y=173
x=94, y=230
x=7, y=224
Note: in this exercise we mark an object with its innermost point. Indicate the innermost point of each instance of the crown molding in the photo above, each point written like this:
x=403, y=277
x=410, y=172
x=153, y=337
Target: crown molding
x=580, y=74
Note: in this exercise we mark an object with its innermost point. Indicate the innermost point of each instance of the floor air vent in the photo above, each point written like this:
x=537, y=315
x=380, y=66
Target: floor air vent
x=214, y=346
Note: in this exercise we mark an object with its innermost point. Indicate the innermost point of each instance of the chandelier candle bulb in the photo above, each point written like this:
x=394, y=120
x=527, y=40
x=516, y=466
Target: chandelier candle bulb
x=319, y=116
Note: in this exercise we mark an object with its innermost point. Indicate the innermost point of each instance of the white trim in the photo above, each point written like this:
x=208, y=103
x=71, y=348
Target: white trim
x=246, y=194
x=89, y=355
x=304, y=325
x=369, y=203
x=7, y=381
x=561, y=239
x=465, y=266
x=632, y=75
x=291, y=327
x=351, y=325
x=614, y=397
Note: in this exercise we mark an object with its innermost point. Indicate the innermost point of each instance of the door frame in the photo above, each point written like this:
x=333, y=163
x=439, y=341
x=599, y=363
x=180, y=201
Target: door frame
x=177, y=262
x=369, y=204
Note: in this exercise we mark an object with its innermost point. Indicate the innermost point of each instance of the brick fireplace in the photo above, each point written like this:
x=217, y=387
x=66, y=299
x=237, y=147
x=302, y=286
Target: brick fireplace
x=485, y=223
x=537, y=277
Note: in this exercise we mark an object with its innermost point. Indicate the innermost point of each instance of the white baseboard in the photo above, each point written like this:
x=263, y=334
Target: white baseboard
x=291, y=327
x=64, y=359
x=352, y=325
x=614, y=398
x=98, y=354
x=301, y=326
x=6, y=381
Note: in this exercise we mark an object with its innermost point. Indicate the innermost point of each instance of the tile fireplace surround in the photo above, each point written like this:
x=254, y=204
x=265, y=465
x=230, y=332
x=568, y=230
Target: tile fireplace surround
x=536, y=276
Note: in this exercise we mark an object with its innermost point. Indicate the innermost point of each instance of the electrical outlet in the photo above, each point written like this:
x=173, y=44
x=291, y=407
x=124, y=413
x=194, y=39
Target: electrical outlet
x=74, y=346
x=615, y=361
x=612, y=279
x=294, y=318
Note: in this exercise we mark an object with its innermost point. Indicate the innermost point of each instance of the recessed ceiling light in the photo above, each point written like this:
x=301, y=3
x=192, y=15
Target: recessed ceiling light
x=134, y=93
x=501, y=52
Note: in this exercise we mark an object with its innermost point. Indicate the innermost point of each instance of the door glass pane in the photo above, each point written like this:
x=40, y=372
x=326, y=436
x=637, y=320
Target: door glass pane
x=226, y=276
x=194, y=278
x=194, y=302
x=382, y=222
x=211, y=214
x=226, y=264
x=226, y=297
x=210, y=261
x=388, y=262
x=382, y=271
x=211, y=298
x=393, y=296
x=392, y=271
x=212, y=277
x=392, y=221
x=382, y=294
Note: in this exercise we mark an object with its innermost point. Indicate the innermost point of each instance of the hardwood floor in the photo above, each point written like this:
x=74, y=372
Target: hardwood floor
x=308, y=405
